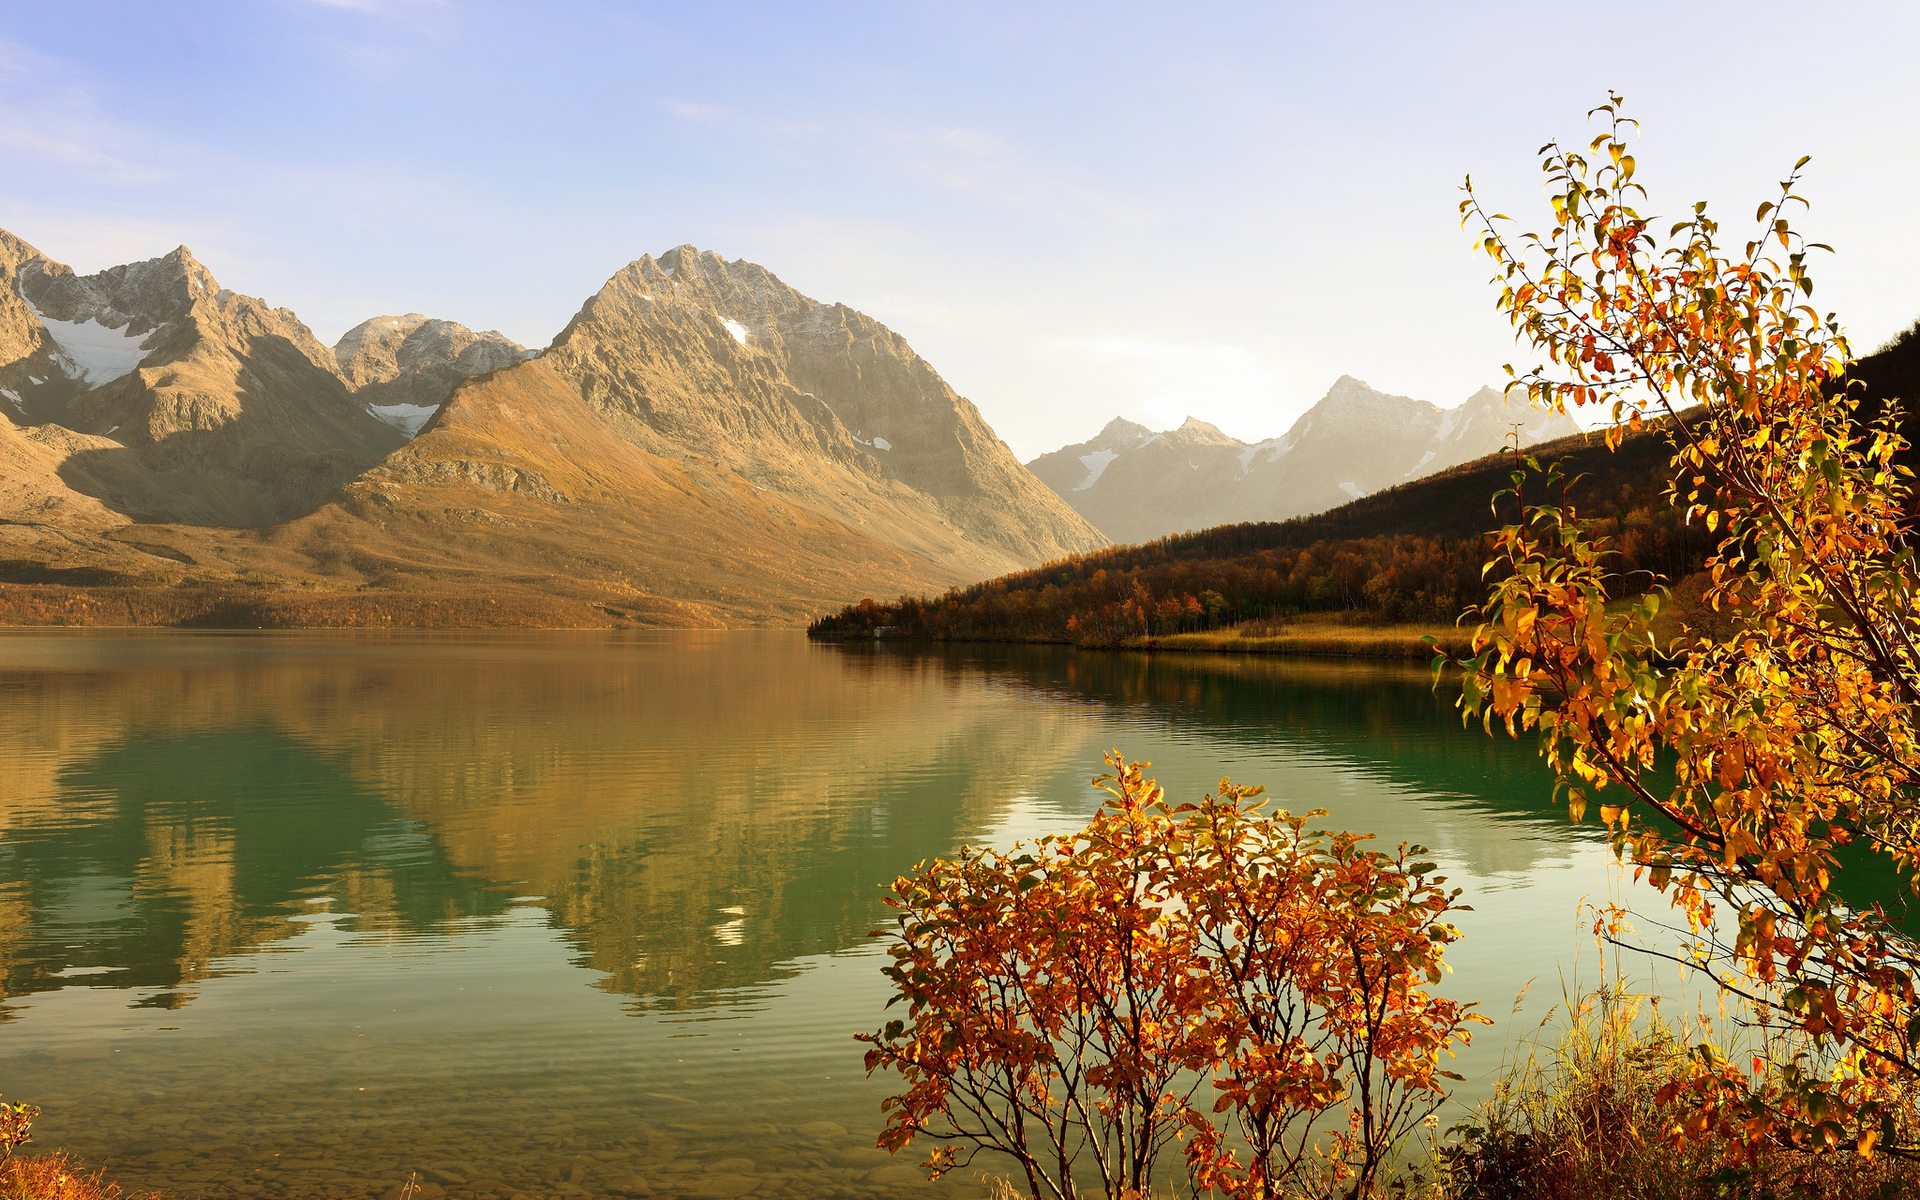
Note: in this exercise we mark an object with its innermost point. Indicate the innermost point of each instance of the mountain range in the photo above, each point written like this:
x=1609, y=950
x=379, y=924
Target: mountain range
x=1135, y=484
x=700, y=445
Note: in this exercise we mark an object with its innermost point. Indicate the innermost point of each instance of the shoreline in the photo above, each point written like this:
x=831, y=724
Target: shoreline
x=49, y=608
x=1393, y=642
x=240, y=606
x=1385, y=641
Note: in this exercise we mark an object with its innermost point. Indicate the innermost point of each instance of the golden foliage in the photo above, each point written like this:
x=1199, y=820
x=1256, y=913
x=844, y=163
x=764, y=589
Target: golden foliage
x=1789, y=730
x=1069, y=1004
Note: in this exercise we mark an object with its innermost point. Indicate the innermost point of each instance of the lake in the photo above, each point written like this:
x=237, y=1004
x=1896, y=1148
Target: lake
x=590, y=914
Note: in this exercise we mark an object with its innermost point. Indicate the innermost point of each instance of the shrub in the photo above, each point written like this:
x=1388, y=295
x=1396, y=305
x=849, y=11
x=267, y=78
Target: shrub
x=1070, y=1004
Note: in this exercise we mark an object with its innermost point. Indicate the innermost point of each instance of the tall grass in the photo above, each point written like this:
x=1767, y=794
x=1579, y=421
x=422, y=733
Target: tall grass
x=56, y=1177
x=1580, y=1118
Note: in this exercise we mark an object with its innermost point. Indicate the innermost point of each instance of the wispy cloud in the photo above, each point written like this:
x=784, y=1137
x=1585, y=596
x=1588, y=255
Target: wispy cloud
x=1000, y=171
x=706, y=114
x=49, y=117
x=385, y=8
x=733, y=120
x=966, y=160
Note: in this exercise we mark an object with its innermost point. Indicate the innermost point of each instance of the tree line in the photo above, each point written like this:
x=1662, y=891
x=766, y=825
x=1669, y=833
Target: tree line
x=1233, y=574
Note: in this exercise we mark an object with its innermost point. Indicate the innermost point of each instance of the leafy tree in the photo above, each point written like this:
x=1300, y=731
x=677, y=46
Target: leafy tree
x=1068, y=1004
x=1789, y=729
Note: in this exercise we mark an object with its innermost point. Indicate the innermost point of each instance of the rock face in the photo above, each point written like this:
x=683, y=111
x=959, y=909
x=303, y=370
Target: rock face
x=216, y=408
x=697, y=359
x=405, y=367
x=1136, y=485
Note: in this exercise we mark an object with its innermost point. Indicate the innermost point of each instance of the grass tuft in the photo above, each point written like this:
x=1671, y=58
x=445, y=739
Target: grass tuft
x=1581, y=1119
x=57, y=1177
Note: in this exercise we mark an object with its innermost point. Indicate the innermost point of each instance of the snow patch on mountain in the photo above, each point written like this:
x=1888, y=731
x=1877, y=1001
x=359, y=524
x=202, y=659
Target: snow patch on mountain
x=96, y=353
x=1278, y=445
x=407, y=418
x=1352, y=489
x=1096, y=465
x=735, y=328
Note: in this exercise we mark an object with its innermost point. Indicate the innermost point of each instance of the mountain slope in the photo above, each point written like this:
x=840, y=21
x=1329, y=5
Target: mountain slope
x=517, y=487
x=691, y=355
x=1136, y=485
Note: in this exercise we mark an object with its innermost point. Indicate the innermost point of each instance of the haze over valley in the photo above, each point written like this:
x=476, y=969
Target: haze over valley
x=1135, y=484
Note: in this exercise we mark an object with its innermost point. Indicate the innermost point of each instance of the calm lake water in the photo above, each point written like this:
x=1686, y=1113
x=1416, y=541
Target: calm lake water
x=296, y=915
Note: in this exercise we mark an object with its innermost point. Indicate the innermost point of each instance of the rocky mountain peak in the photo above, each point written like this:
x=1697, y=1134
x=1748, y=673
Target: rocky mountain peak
x=1194, y=431
x=1349, y=394
x=681, y=256
x=1121, y=430
x=190, y=403
x=370, y=351
x=405, y=366
x=721, y=363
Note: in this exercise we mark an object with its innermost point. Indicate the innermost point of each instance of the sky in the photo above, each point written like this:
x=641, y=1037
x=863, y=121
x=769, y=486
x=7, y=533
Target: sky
x=1074, y=212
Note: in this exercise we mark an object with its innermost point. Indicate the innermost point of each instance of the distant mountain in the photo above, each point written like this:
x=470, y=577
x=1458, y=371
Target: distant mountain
x=702, y=444
x=405, y=367
x=1135, y=484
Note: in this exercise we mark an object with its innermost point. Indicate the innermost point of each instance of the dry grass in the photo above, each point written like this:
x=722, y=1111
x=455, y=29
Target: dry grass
x=1320, y=635
x=57, y=1177
x=1581, y=1119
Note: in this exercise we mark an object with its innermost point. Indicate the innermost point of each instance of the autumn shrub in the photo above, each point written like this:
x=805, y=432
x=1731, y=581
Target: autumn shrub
x=16, y=1126
x=1211, y=977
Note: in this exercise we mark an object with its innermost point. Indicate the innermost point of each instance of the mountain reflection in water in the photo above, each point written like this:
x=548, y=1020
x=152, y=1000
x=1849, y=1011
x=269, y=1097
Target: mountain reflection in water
x=698, y=820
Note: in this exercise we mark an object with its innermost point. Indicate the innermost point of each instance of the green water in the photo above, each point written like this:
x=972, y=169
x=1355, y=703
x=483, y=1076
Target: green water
x=588, y=914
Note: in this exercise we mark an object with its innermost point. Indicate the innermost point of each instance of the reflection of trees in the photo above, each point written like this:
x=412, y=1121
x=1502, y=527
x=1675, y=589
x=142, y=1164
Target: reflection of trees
x=1383, y=721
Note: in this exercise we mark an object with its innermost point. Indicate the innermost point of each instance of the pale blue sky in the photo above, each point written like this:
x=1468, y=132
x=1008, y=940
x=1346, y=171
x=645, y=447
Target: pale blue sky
x=1073, y=211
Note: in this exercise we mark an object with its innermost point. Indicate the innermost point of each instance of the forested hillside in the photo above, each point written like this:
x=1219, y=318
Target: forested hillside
x=1413, y=553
